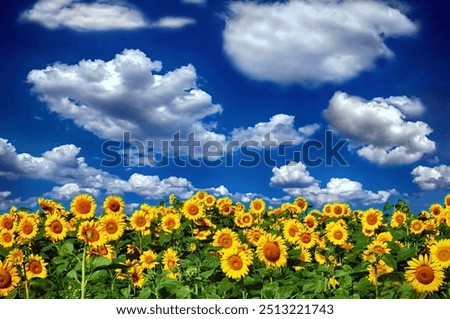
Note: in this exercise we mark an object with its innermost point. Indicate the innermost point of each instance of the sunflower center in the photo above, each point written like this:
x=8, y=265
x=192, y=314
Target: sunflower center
x=310, y=223
x=372, y=219
x=257, y=205
x=83, y=206
x=141, y=221
x=225, y=241
x=444, y=254
x=416, y=226
x=27, y=228
x=338, y=210
x=102, y=250
x=114, y=206
x=7, y=224
x=170, y=223
x=378, y=249
x=111, y=227
x=425, y=275
x=301, y=203
x=399, y=219
x=92, y=235
x=305, y=238
x=56, y=227
x=148, y=259
x=338, y=234
x=170, y=264
x=5, y=279
x=7, y=238
x=226, y=208
x=246, y=219
x=271, y=251
x=436, y=212
x=35, y=267
x=193, y=210
x=235, y=262
x=293, y=231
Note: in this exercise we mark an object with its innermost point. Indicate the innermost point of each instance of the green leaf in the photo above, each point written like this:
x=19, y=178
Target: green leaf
x=184, y=292
x=406, y=253
x=224, y=286
x=207, y=274
x=126, y=292
x=145, y=293
x=387, y=206
x=164, y=239
x=390, y=260
x=67, y=248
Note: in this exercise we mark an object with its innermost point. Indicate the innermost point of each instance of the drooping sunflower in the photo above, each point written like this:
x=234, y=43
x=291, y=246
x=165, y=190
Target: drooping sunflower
x=56, y=227
x=291, y=230
x=7, y=238
x=35, y=267
x=148, y=259
x=28, y=227
x=257, y=206
x=235, y=264
x=170, y=262
x=254, y=234
x=225, y=238
x=170, y=222
x=384, y=237
x=113, y=224
x=105, y=250
x=320, y=259
x=271, y=250
x=417, y=226
x=440, y=252
x=113, y=204
x=338, y=234
x=375, y=250
x=7, y=221
x=140, y=220
x=9, y=278
x=193, y=210
x=201, y=234
x=83, y=206
x=397, y=219
x=16, y=256
x=305, y=255
x=368, y=232
x=375, y=271
x=424, y=274
x=90, y=232
x=372, y=219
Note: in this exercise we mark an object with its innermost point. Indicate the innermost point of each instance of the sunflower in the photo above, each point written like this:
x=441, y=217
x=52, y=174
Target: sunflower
x=56, y=228
x=140, y=220
x=301, y=203
x=209, y=201
x=375, y=271
x=291, y=230
x=16, y=256
x=254, y=234
x=105, y=250
x=90, y=232
x=170, y=262
x=257, y=206
x=225, y=205
x=326, y=209
x=7, y=238
x=440, y=252
x=136, y=274
x=225, y=238
x=243, y=219
x=7, y=222
x=375, y=250
x=35, y=267
x=339, y=210
x=417, y=226
x=9, y=278
x=235, y=264
x=372, y=219
x=193, y=210
x=306, y=239
x=424, y=274
x=397, y=219
x=320, y=259
x=113, y=204
x=305, y=255
x=113, y=225
x=384, y=237
x=436, y=210
x=337, y=234
x=170, y=222
x=28, y=227
x=201, y=234
x=271, y=250
x=310, y=221
x=83, y=206
x=430, y=225
x=368, y=232
x=148, y=259
x=150, y=211
x=447, y=200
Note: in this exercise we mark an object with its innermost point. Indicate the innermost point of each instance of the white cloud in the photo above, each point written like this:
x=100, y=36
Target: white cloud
x=82, y=16
x=311, y=42
x=430, y=178
x=173, y=22
x=281, y=128
x=380, y=129
x=296, y=180
x=196, y=2
x=126, y=94
x=294, y=175
x=68, y=191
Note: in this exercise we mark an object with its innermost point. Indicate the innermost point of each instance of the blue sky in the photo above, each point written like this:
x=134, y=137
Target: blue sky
x=78, y=74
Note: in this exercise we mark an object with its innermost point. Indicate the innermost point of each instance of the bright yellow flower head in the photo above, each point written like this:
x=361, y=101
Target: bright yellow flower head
x=272, y=251
x=291, y=230
x=7, y=238
x=170, y=222
x=225, y=238
x=372, y=219
x=440, y=252
x=424, y=274
x=338, y=234
x=148, y=259
x=257, y=206
x=398, y=219
x=193, y=210
x=56, y=227
x=35, y=267
x=83, y=206
x=235, y=264
x=375, y=271
x=114, y=204
x=9, y=278
x=91, y=233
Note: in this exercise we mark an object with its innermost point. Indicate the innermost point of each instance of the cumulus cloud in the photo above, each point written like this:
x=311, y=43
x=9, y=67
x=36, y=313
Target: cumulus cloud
x=6, y=201
x=172, y=22
x=126, y=94
x=281, y=128
x=311, y=42
x=63, y=166
x=430, y=178
x=82, y=16
x=296, y=180
x=379, y=128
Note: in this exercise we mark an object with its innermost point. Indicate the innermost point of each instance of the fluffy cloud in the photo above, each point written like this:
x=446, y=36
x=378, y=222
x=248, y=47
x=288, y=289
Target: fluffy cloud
x=80, y=16
x=172, y=22
x=125, y=94
x=63, y=166
x=380, y=129
x=311, y=42
x=295, y=180
x=430, y=178
x=281, y=128
x=6, y=202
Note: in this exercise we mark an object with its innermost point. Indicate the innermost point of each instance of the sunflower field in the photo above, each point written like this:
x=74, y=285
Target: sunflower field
x=208, y=247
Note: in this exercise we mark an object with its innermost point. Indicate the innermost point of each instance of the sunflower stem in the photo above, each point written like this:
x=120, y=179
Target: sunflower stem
x=27, y=290
x=83, y=273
